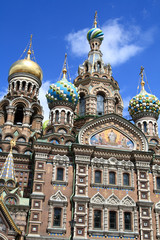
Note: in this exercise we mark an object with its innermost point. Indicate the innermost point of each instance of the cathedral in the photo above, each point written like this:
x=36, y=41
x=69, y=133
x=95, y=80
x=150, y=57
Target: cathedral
x=87, y=172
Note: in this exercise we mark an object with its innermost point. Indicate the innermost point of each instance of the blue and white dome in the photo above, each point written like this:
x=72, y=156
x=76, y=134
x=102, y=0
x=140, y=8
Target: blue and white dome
x=62, y=91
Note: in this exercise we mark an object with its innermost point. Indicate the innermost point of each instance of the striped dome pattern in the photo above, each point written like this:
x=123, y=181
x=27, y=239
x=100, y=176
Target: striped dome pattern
x=95, y=33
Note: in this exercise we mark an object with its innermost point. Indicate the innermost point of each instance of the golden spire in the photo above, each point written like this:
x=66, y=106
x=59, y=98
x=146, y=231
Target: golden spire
x=142, y=81
x=29, y=50
x=12, y=144
x=64, y=66
x=95, y=19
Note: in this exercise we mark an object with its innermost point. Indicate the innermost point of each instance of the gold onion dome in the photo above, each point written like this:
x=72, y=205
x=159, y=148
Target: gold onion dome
x=26, y=66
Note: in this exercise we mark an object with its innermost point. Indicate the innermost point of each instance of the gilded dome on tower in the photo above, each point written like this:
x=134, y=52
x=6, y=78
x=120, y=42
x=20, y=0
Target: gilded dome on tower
x=27, y=66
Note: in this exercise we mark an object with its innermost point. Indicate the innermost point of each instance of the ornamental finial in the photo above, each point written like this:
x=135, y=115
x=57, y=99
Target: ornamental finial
x=12, y=144
x=64, y=66
x=29, y=50
x=142, y=81
x=95, y=19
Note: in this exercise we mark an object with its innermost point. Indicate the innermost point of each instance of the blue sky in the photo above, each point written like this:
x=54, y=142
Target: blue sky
x=131, y=32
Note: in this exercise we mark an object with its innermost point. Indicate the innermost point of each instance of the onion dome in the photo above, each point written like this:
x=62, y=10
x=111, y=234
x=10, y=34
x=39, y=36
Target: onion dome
x=144, y=102
x=95, y=33
x=27, y=66
x=62, y=91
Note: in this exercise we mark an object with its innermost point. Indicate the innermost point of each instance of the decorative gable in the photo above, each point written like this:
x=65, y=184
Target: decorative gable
x=58, y=197
x=128, y=201
x=113, y=200
x=98, y=199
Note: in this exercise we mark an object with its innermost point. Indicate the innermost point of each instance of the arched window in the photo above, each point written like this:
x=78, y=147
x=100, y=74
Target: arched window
x=116, y=104
x=29, y=87
x=82, y=103
x=54, y=141
x=112, y=178
x=8, y=138
x=126, y=179
x=97, y=176
x=5, y=113
x=27, y=152
x=100, y=105
x=98, y=66
x=23, y=86
x=145, y=126
x=57, y=116
x=86, y=67
x=68, y=143
x=18, y=119
x=68, y=117
x=21, y=139
x=18, y=85
x=62, y=130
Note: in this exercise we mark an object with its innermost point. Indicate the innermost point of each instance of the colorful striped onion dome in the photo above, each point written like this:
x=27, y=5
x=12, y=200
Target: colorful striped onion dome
x=62, y=91
x=144, y=102
x=95, y=33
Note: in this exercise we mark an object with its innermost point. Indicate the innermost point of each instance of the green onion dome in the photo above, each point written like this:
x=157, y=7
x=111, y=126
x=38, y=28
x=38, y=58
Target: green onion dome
x=144, y=103
x=62, y=91
x=95, y=33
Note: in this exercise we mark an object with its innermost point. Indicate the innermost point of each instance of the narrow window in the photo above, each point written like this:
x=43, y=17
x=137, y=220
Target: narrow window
x=57, y=116
x=112, y=178
x=126, y=179
x=18, y=120
x=97, y=176
x=145, y=126
x=60, y=174
x=158, y=182
x=112, y=220
x=82, y=103
x=116, y=105
x=57, y=217
x=23, y=86
x=68, y=117
x=97, y=219
x=100, y=105
x=127, y=221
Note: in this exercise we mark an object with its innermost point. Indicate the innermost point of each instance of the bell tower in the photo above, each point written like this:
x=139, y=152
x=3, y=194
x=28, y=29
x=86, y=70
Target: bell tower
x=20, y=110
x=98, y=90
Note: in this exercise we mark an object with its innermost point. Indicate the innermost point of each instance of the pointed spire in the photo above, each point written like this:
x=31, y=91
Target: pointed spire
x=29, y=50
x=64, y=67
x=95, y=19
x=142, y=81
x=8, y=171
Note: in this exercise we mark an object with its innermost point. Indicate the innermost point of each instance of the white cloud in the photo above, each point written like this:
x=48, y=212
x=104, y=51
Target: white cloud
x=43, y=101
x=125, y=105
x=121, y=42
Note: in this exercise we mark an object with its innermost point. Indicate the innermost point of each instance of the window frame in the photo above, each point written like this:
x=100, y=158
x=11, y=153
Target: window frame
x=115, y=220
